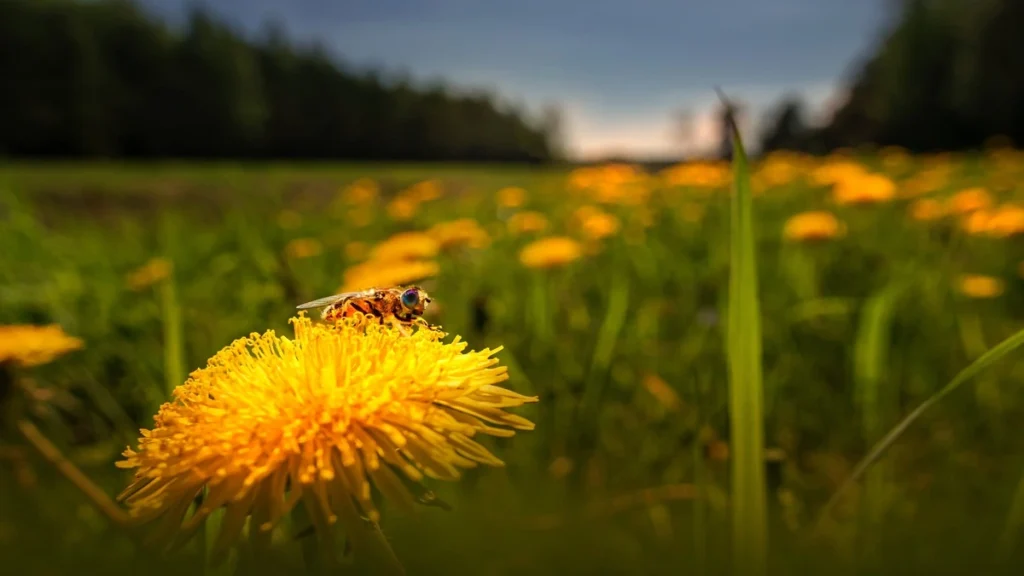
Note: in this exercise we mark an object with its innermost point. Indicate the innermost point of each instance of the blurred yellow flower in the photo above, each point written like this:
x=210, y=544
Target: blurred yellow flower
x=511, y=197
x=698, y=175
x=526, y=222
x=978, y=286
x=778, y=169
x=423, y=191
x=1007, y=220
x=612, y=183
x=149, y=273
x=274, y=422
x=836, y=171
x=976, y=222
x=550, y=252
x=970, y=200
x=812, y=226
x=927, y=209
x=406, y=246
x=600, y=225
x=300, y=248
x=461, y=232
x=662, y=392
x=361, y=192
x=289, y=219
x=401, y=209
x=387, y=273
x=864, y=189
x=26, y=345
x=894, y=157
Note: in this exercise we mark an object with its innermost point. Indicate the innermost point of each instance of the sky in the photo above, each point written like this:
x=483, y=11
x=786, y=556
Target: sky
x=620, y=71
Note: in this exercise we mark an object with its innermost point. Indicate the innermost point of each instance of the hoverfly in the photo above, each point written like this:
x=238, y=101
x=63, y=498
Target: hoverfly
x=397, y=306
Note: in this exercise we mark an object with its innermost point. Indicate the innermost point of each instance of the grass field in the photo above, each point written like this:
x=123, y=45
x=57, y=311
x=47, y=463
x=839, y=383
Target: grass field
x=879, y=279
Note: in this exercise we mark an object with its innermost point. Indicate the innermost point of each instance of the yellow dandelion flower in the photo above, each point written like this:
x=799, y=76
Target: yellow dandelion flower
x=834, y=172
x=272, y=422
x=976, y=223
x=511, y=197
x=526, y=222
x=149, y=273
x=361, y=192
x=550, y=252
x=600, y=225
x=697, y=175
x=927, y=209
x=864, y=189
x=300, y=248
x=26, y=345
x=406, y=246
x=979, y=286
x=461, y=232
x=385, y=274
x=970, y=200
x=1007, y=221
x=402, y=209
x=289, y=219
x=813, y=226
x=423, y=191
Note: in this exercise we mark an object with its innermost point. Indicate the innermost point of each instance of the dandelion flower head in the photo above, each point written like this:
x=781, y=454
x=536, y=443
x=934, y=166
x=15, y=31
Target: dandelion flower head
x=461, y=232
x=149, y=273
x=550, y=252
x=375, y=273
x=812, y=226
x=527, y=221
x=271, y=422
x=406, y=246
x=27, y=345
x=980, y=286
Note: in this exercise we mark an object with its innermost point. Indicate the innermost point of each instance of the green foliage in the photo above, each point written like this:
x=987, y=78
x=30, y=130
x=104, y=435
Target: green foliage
x=945, y=77
x=100, y=79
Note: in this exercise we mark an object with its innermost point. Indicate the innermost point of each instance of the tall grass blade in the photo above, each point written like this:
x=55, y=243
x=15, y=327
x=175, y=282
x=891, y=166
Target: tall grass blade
x=611, y=327
x=746, y=394
x=870, y=361
x=975, y=368
x=174, y=353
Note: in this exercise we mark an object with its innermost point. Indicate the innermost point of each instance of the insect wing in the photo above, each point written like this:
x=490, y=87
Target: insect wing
x=327, y=301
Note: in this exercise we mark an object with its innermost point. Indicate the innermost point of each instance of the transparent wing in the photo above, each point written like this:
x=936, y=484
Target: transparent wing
x=327, y=301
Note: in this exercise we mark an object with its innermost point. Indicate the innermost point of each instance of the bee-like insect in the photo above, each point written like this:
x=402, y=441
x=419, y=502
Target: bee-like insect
x=396, y=306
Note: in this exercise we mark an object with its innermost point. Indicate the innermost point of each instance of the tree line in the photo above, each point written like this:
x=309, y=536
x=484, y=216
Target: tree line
x=101, y=79
x=949, y=75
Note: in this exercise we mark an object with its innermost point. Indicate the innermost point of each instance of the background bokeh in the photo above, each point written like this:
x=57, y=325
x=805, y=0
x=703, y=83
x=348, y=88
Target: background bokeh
x=159, y=199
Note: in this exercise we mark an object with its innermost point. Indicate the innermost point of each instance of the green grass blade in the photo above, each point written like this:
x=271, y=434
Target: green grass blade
x=870, y=361
x=174, y=353
x=746, y=393
x=975, y=368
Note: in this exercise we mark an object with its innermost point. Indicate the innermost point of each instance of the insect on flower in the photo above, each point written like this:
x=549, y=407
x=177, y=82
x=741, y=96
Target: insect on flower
x=399, y=307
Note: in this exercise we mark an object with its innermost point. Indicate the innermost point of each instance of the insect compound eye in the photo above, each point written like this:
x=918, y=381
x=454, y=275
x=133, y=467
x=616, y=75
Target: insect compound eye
x=410, y=298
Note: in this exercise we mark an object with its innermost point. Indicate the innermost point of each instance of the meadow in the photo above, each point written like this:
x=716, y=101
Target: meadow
x=880, y=277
